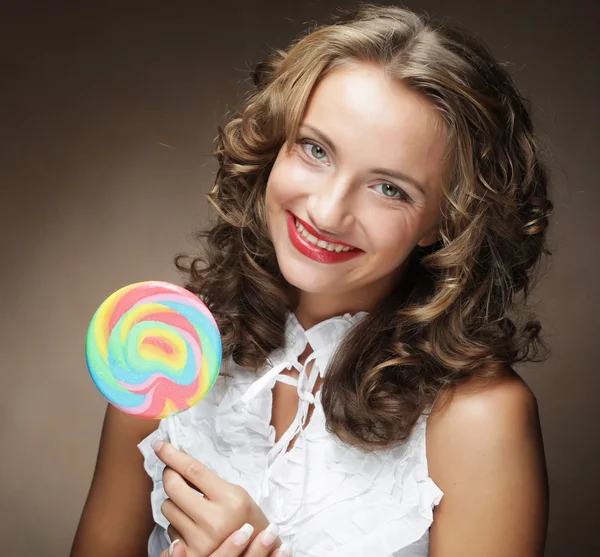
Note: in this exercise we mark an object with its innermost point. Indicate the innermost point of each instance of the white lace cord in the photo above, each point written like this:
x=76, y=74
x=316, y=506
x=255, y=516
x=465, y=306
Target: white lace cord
x=261, y=383
x=306, y=398
x=256, y=388
x=289, y=518
x=279, y=450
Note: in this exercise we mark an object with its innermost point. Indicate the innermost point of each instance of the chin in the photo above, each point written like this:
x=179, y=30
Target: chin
x=307, y=280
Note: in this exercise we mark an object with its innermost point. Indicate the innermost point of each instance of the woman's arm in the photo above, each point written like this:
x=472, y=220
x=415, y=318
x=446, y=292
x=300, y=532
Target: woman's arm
x=117, y=516
x=485, y=452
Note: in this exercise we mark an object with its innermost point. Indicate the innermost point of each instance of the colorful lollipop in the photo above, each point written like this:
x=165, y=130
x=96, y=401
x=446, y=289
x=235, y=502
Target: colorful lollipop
x=153, y=349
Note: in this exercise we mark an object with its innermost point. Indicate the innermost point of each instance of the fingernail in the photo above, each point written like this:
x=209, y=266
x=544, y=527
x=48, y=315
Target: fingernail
x=157, y=444
x=172, y=546
x=269, y=535
x=285, y=550
x=243, y=534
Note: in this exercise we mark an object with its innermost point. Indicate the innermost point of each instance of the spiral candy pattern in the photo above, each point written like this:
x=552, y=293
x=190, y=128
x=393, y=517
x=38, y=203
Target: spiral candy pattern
x=153, y=349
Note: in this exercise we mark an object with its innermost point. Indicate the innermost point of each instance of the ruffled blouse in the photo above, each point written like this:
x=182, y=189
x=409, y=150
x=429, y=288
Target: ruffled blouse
x=327, y=497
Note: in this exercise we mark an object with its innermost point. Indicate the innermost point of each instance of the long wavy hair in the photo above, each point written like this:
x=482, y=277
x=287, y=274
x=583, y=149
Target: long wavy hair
x=460, y=309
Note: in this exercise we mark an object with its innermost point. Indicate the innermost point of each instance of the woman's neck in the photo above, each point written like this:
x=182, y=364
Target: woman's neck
x=312, y=310
x=314, y=307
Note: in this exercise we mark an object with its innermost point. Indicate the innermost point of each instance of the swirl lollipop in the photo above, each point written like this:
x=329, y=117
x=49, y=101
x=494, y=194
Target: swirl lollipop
x=153, y=349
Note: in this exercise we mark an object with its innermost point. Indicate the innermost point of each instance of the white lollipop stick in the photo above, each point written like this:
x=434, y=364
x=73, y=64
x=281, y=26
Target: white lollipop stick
x=171, y=430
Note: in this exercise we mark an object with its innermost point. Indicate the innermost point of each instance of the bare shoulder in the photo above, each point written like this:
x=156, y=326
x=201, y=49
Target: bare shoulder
x=119, y=425
x=495, y=407
x=485, y=452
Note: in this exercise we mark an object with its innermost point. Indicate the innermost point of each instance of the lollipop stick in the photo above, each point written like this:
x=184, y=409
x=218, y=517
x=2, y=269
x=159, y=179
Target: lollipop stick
x=172, y=432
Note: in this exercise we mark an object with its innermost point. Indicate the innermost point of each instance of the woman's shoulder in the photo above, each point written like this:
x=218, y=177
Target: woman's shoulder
x=485, y=451
x=483, y=406
x=482, y=414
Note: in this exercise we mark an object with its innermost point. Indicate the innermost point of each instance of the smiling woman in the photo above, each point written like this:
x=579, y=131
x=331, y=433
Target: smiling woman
x=316, y=246
x=368, y=122
x=381, y=211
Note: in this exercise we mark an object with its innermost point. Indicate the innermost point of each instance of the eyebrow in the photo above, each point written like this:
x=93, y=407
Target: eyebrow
x=382, y=171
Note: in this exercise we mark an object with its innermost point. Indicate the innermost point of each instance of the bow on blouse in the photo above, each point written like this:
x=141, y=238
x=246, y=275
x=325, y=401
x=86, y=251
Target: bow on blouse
x=304, y=387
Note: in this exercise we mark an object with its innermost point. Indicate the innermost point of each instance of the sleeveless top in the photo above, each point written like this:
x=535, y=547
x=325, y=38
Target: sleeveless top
x=327, y=497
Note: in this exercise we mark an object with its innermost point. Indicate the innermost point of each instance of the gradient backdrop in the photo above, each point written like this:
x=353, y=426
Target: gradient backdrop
x=107, y=117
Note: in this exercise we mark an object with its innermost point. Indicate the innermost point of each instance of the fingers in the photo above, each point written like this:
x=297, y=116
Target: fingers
x=177, y=518
x=185, y=497
x=193, y=470
x=183, y=527
x=174, y=534
x=263, y=545
x=235, y=544
x=176, y=549
x=268, y=544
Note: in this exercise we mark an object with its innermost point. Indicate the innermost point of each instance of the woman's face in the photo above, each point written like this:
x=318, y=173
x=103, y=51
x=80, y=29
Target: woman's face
x=364, y=178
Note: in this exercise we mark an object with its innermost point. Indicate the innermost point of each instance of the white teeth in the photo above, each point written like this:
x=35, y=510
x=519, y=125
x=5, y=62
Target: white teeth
x=312, y=239
x=320, y=243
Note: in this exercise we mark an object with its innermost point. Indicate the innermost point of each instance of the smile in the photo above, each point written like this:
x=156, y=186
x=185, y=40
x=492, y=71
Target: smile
x=329, y=246
x=317, y=248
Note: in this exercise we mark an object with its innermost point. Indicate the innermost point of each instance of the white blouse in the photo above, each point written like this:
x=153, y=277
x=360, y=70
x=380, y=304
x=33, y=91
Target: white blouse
x=327, y=497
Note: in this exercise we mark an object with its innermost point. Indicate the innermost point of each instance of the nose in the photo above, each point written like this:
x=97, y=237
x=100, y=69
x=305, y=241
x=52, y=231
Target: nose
x=330, y=208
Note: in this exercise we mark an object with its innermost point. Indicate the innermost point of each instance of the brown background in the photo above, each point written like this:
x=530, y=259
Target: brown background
x=107, y=115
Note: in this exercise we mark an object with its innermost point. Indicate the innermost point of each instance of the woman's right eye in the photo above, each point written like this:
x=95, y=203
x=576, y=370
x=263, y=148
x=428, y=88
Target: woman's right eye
x=315, y=152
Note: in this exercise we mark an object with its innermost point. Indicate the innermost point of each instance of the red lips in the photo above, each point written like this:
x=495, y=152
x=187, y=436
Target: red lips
x=314, y=252
x=312, y=231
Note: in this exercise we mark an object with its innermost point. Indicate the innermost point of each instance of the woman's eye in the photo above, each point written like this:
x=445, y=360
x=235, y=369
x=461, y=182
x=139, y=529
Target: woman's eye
x=389, y=190
x=316, y=151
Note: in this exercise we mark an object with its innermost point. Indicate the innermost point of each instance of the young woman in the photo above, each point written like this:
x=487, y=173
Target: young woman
x=381, y=210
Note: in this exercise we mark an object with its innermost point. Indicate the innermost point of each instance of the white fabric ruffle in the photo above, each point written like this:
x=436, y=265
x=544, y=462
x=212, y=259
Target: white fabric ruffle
x=346, y=502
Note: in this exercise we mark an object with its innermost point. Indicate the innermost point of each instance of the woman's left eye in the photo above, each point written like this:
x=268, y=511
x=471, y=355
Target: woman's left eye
x=394, y=192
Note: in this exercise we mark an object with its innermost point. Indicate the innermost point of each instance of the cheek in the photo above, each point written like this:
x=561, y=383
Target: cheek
x=274, y=190
x=394, y=253
x=286, y=182
x=276, y=184
x=278, y=196
x=397, y=236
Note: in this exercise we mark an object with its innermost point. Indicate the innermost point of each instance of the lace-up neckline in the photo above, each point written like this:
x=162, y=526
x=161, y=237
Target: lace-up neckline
x=327, y=497
x=324, y=339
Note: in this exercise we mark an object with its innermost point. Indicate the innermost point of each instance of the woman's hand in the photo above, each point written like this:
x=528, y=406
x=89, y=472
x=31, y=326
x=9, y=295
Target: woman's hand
x=204, y=523
x=237, y=544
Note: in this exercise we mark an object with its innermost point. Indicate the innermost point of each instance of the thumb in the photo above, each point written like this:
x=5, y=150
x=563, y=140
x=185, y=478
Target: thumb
x=176, y=549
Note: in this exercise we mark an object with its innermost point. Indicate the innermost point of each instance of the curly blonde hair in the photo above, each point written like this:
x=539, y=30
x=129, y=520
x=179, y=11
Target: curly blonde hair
x=459, y=311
